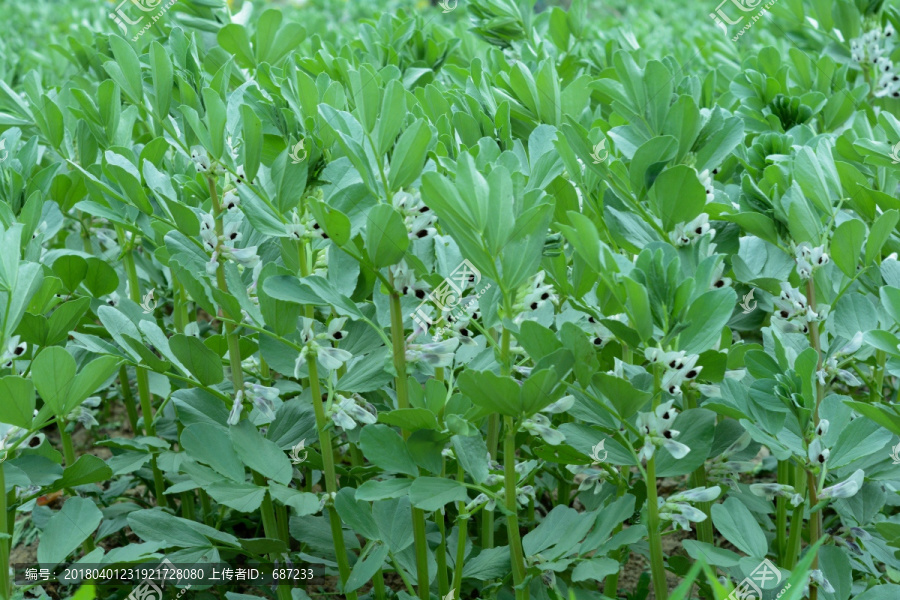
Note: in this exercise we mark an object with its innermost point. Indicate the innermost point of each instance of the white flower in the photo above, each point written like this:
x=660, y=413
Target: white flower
x=818, y=454
x=335, y=329
x=235, y=415
x=845, y=489
x=697, y=495
x=540, y=425
x=332, y=358
x=437, y=354
x=12, y=351
x=347, y=412
x=231, y=200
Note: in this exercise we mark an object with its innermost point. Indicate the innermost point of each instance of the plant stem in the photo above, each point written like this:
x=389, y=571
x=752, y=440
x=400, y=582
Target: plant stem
x=4, y=540
x=512, y=518
x=270, y=527
x=698, y=479
x=378, y=585
x=815, y=520
x=398, y=342
x=815, y=528
x=781, y=512
x=128, y=399
x=493, y=443
x=205, y=506
x=657, y=564
x=793, y=543
x=234, y=348
x=281, y=518
x=337, y=532
x=68, y=449
x=462, y=522
x=143, y=383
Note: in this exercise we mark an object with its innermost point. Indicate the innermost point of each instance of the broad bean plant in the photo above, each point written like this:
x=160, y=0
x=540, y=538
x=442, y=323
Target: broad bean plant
x=472, y=300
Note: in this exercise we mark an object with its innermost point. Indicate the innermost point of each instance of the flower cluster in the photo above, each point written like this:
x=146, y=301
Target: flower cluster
x=685, y=234
x=12, y=351
x=539, y=424
x=532, y=296
x=223, y=245
x=303, y=227
x=791, y=305
x=817, y=452
x=680, y=368
x=770, y=491
x=417, y=217
x=809, y=258
x=346, y=412
x=656, y=428
x=873, y=49
x=723, y=467
x=329, y=357
x=831, y=368
x=676, y=508
x=707, y=182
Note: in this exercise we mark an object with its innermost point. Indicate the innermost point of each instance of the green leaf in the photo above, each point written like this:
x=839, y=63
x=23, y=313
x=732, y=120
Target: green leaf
x=127, y=67
x=156, y=525
x=17, y=407
x=67, y=529
x=432, y=493
x=386, y=237
x=241, y=496
x=253, y=141
x=89, y=380
x=384, y=447
x=53, y=372
x=846, y=244
x=203, y=363
x=366, y=568
x=212, y=445
x=626, y=399
x=738, y=525
x=161, y=73
x=678, y=196
x=409, y=154
x=705, y=319
x=87, y=469
x=879, y=234
x=260, y=454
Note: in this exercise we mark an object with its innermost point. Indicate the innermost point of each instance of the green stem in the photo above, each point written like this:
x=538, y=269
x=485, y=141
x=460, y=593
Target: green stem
x=418, y=515
x=781, y=513
x=205, y=506
x=493, y=443
x=657, y=560
x=270, y=527
x=815, y=520
x=793, y=543
x=378, y=585
x=443, y=583
x=815, y=529
x=657, y=564
x=282, y=519
x=128, y=399
x=512, y=518
x=4, y=540
x=143, y=382
x=337, y=532
x=878, y=387
x=698, y=479
x=462, y=522
x=68, y=449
